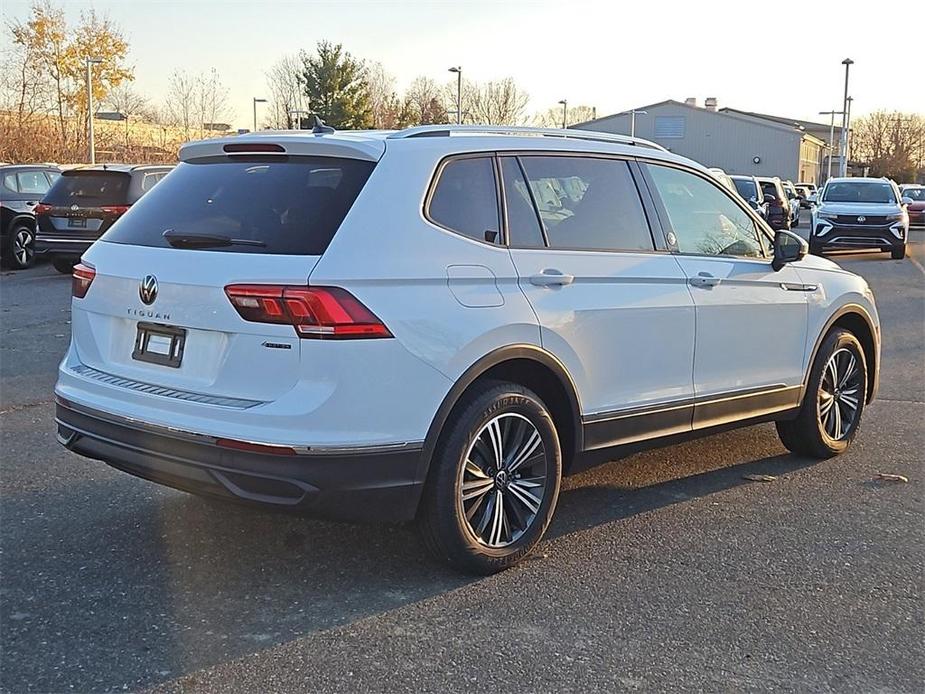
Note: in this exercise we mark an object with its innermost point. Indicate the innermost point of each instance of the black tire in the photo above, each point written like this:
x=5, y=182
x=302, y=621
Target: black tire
x=442, y=518
x=812, y=434
x=64, y=265
x=898, y=252
x=20, y=251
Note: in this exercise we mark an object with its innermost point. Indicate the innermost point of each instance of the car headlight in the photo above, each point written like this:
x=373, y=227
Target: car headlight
x=827, y=215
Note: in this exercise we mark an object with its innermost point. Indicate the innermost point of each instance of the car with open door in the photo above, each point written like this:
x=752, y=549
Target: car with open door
x=437, y=324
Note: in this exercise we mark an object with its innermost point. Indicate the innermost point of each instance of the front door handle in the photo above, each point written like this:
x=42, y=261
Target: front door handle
x=704, y=281
x=551, y=278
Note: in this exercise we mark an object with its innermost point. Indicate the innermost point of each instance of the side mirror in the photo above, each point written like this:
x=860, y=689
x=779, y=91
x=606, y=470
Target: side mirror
x=769, y=199
x=788, y=248
x=908, y=201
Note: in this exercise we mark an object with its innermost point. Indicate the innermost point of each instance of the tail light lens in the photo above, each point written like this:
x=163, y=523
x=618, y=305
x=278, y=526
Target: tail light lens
x=41, y=208
x=328, y=313
x=81, y=280
x=115, y=210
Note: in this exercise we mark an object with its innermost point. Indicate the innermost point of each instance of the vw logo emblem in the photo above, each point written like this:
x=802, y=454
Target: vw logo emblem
x=74, y=208
x=862, y=219
x=147, y=290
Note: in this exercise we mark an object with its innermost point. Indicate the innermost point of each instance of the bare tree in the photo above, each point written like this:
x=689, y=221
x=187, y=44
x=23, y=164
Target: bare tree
x=552, y=117
x=211, y=100
x=287, y=93
x=494, y=103
x=180, y=102
x=424, y=102
x=891, y=144
x=126, y=100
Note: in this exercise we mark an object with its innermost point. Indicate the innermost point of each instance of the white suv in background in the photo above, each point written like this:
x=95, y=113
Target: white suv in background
x=438, y=323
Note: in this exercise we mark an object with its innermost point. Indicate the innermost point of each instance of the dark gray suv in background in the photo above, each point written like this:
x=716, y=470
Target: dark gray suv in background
x=21, y=189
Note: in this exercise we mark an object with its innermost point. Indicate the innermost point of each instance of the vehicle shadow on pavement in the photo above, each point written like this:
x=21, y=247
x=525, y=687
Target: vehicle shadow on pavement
x=144, y=585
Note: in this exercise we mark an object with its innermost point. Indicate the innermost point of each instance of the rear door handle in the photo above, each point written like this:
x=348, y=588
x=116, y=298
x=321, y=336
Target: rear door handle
x=551, y=278
x=704, y=281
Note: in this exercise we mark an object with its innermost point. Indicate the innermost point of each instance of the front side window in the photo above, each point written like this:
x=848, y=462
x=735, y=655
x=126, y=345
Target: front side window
x=465, y=199
x=704, y=219
x=588, y=204
x=746, y=188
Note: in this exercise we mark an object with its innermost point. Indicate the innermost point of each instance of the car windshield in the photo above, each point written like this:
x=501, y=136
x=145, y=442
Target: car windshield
x=746, y=187
x=856, y=191
x=917, y=194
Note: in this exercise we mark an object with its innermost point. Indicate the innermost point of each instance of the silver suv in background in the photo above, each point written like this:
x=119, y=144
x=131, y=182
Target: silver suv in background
x=859, y=213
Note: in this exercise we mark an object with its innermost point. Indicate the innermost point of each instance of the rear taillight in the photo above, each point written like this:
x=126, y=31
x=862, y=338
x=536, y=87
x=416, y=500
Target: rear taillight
x=41, y=208
x=81, y=280
x=115, y=210
x=315, y=312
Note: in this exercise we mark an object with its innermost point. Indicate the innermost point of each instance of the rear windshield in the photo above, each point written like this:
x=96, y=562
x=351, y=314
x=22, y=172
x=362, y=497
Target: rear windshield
x=89, y=189
x=859, y=192
x=292, y=207
x=745, y=187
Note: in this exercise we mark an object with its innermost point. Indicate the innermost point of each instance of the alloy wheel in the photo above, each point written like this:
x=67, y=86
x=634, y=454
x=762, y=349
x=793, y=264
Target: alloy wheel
x=23, y=246
x=840, y=394
x=503, y=482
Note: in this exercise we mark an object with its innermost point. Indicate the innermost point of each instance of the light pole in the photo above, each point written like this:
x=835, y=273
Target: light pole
x=257, y=101
x=458, y=71
x=90, y=141
x=564, y=103
x=633, y=121
x=847, y=62
x=828, y=174
x=848, y=133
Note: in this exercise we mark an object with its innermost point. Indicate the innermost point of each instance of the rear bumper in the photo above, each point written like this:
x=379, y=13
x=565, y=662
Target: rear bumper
x=369, y=484
x=52, y=245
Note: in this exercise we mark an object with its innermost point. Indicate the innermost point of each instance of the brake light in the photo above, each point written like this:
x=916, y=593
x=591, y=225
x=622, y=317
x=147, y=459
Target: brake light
x=115, y=209
x=41, y=208
x=315, y=312
x=253, y=148
x=81, y=279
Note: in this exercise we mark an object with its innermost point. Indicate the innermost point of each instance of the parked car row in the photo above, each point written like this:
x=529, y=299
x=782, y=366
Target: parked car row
x=777, y=201
x=59, y=214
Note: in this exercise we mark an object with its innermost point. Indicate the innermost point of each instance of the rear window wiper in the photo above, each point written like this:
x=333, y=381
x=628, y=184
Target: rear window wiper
x=179, y=239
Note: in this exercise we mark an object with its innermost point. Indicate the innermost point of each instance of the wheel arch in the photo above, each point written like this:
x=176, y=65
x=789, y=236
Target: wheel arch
x=531, y=367
x=856, y=319
x=16, y=219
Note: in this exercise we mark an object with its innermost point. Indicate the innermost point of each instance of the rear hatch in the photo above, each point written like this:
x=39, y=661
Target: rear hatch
x=157, y=311
x=84, y=203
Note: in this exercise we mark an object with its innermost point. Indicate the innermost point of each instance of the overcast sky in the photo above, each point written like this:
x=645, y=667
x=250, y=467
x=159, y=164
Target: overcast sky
x=782, y=58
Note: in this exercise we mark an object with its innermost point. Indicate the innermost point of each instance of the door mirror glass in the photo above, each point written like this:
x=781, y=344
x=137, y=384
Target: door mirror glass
x=788, y=248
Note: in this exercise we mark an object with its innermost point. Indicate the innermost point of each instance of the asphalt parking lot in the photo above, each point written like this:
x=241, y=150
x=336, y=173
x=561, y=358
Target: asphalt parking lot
x=665, y=571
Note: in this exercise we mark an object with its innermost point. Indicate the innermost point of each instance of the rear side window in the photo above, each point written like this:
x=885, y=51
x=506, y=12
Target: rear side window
x=89, y=189
x=32, y=182
x=292, y=207
x=465, y=199
x=588, y=204
x=522, y=223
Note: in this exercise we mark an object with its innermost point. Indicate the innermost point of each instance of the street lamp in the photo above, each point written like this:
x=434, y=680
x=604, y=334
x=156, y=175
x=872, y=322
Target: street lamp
x=564, y=103
x=458, y=71
x=633, y=121
x=90, y=141
x=848, y=132
x=828, y=174
x=847, y=62
x=257, y=101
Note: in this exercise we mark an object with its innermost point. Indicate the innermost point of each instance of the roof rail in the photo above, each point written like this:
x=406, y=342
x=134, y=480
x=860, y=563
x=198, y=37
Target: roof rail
x=567, y=134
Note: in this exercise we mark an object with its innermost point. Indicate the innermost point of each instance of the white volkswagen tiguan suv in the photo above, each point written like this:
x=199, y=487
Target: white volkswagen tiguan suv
x=438, y=323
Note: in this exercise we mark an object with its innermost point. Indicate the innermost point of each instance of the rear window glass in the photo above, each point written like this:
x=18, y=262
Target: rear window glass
x=292, y=207
x=89, y=189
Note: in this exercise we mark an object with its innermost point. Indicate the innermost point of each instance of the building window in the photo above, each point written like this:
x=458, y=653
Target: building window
x=669, y=126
